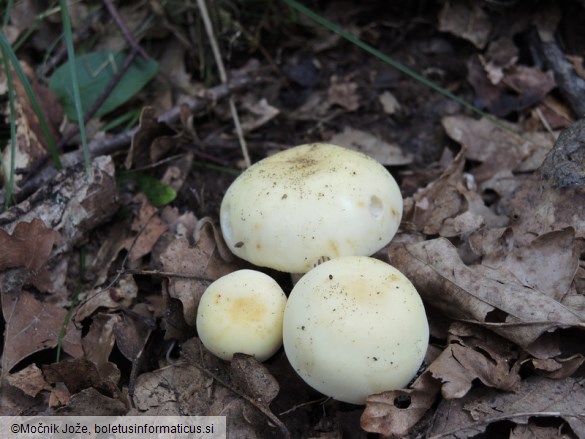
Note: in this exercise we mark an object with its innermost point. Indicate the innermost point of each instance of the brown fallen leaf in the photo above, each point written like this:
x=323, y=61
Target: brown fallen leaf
x=465, y=20
x=149, y=228
x=440, y=200
x=495, y=148
x=77, y=375
x=150, y=142
x=32, y=326
x=536, y=208
x=253, y=378
x=394, y=413
x=30, y=380
x=122, y=295
x=28, y=247
x=99, y=342
x=31, y=142
x=343, y=92
x=195, y=267
x=558, y=251
x=475, y=353
x=90, y=402
x=537, y=398
x=386, y=153
x=492, y=298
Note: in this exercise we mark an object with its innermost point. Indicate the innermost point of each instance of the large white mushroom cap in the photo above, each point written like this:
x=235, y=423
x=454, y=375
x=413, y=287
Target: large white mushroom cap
x=308, y=204
x=355, y=326
x=242, y=312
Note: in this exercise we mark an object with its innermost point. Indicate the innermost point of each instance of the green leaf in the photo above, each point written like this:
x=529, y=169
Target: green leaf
x=158, y=194
x=94, y=71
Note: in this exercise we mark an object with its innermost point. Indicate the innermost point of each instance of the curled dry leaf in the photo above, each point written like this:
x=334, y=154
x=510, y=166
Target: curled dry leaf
x=467, y=21
x=394, y=413
x=122, y=295
x=472, y=353
x=492, y=298
x=440, y=200
x=150, y=141
x=495, y=148
x=475, y=353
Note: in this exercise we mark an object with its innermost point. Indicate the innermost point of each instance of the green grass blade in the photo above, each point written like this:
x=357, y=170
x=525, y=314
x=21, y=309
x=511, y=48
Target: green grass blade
x=9, y=53
x=76, y=96
x=7, y=12
x=400, y=67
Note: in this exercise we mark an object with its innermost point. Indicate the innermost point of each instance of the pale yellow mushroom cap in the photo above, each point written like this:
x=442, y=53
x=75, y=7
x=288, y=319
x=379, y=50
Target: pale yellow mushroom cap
x=310, y=203
x=355, y=326
x=242, y=312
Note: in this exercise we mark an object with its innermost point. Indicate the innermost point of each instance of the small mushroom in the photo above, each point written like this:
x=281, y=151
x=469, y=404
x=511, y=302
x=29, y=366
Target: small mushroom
x=242, y=312
x=355, y=326
x=309, y=204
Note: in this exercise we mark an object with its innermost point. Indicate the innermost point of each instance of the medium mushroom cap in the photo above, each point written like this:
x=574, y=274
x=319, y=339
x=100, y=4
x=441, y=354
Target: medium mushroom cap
x=242, y=312
x=308, y=204
x=355, y=326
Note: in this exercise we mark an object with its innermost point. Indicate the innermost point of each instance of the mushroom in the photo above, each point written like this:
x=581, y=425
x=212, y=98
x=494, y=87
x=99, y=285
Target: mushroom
x=355, y=326
x=242, y=312
x=309, y=204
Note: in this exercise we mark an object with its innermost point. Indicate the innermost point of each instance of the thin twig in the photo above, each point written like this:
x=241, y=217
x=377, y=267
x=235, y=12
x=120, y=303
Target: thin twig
x=102, y=98
x=124, y=29
x=110, y=144
x=223, y=77
x=265, y=410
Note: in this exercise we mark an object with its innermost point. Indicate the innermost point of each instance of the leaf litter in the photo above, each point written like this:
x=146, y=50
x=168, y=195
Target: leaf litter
x=492, y=235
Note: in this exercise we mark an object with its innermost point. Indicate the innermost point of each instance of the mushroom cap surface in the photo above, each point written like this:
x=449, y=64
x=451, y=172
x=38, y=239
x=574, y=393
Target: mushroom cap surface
x=242, y=312
x=308, y=204
x=355, y=326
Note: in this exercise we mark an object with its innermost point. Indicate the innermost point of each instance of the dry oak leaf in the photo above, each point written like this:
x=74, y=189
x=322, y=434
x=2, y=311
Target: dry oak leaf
x=472, y=353
x=32, y=326
x=490, y=297
x=394, y=413
x=29, y=247
x=440, y=200
x=196, y=267
x=537, y=208
x=537, y=397
x=475, y=353
x=495, y=148
x=558, y=251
